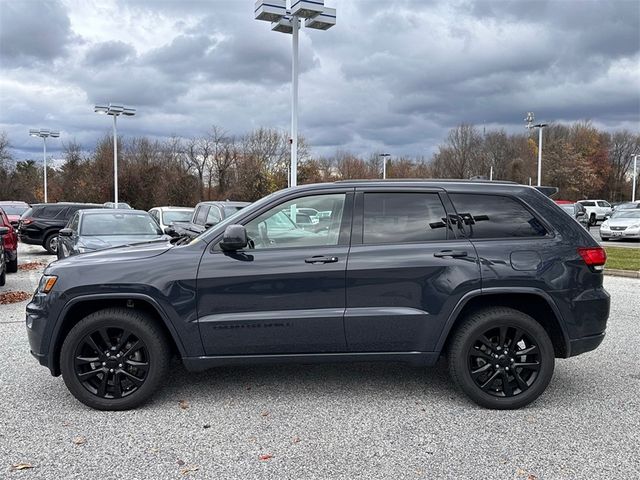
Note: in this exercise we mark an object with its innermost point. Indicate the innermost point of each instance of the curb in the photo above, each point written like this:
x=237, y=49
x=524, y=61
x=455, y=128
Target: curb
x=622, y=273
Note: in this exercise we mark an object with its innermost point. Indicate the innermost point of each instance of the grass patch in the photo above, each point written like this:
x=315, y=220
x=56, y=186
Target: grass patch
x=623, y=258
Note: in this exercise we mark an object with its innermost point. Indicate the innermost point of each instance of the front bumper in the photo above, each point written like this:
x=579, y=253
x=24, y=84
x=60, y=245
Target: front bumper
x=628, y=233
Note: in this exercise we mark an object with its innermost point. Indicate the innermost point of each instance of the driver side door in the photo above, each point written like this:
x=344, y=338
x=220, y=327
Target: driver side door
x=285, y=293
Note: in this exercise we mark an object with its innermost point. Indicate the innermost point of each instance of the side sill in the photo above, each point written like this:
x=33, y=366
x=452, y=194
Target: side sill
x=418, y=359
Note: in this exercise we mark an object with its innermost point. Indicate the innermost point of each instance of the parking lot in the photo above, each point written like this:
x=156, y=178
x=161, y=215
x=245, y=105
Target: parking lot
x=331, y=421
x=618, y=242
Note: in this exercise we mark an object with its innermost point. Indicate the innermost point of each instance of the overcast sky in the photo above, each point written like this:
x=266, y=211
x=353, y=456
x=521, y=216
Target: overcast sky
x=392, y=75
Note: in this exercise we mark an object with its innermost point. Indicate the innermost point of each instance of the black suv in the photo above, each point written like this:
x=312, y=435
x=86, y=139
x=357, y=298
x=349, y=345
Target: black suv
x=492, y=275
x=41, y=223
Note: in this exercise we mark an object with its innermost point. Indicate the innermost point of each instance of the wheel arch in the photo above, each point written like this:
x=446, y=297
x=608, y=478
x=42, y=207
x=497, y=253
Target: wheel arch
x=531, y=301
x=79, y=307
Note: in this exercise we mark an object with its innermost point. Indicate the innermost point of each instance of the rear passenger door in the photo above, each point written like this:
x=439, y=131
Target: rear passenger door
x=407, y=270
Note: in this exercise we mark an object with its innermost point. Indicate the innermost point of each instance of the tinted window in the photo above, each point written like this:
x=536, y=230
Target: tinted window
x=201, y=216
x=603, y=204
x=275, y=229
x=73, y=223
x=214, y=216
x=170, y=216
x=494, y=216
x=588, y=204
x=48, y=212
x=13, y=210
x=228, y=211
x=403, y=217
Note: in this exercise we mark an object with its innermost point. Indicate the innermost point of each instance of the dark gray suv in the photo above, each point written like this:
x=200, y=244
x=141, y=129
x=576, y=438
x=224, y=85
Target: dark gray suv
x=490, y=274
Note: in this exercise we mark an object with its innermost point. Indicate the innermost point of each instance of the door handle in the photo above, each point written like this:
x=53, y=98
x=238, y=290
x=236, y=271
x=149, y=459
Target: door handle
x=320, y=259
x=450, y=253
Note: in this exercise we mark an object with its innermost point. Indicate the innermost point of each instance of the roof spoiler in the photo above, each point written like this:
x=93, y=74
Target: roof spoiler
x=548, y=191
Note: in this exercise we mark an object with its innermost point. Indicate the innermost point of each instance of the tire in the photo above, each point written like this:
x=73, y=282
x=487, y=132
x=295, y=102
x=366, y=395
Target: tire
x=593, y=220
x=108, y=382
x=51, y=243
x=12, y=266
x=3, y=277
x=604, y=239
x=533, y=371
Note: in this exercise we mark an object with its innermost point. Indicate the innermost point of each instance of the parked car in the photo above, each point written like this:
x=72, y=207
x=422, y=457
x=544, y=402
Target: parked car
x=121, y=205
x=490, y=274
x=206, y=215
x=40, y=224
x=10, y=240
x=577, y=211
x=3, y=262
x=622, y=206
x=624, y=223
x=14, y=209
x=597, y=210
x=91, y=230
x=165, y=216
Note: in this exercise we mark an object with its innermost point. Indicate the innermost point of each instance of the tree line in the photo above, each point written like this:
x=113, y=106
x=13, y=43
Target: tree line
x=580, y=159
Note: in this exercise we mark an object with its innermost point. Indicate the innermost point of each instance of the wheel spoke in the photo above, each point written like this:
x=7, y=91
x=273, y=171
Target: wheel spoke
x=516, y=338
x=503, y=336
x=527, y=351
x=132, y=348
x=521, y=383
x=481, y=370
x=92, y=343
x=123, y=339
x=528, y=365
x=506, y=386
x=485, y=341
x=144, y=366
x=80, y=360
x=105, y=338
x=488, y=383
x=476, y=352
x=83, y=377
x=117, y=385
x=102, y=389
x=137, y=381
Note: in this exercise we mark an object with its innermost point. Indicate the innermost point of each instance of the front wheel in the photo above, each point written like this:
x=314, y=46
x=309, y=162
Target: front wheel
x=592, y=219
x=501, y=358
x=605, y=239
x=12, y=265
x=51, y=243
x=114, y=359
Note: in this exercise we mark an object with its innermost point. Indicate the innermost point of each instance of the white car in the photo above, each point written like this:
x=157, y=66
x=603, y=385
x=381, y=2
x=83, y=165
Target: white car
x=597, y=210
x=165, y=216
x=622, y=224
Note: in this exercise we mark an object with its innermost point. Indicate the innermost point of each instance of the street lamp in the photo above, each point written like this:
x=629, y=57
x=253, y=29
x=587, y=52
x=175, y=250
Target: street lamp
x=529, y=119
x=384, y=164
x=44, y=133
x=284, y=20
x=635, y=175
x=115, y=111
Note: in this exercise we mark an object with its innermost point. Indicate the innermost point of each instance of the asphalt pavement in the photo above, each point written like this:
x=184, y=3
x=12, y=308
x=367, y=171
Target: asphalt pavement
x=326, y=421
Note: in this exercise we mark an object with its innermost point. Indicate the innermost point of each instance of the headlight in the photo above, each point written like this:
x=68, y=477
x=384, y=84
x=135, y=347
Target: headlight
x=637, y=225
x=605, y=224
x=46, y=283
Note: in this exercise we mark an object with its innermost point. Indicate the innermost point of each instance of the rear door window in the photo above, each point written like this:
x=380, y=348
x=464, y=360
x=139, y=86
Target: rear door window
x=396, y=217
x=50, y=211
x=588, y=204
x=496, y=216
x=201, y=216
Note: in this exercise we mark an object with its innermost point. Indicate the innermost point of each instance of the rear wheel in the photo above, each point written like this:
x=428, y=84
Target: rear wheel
x=51, y=243
x=12, y=265
x=604, y=239
x=592, y=219
x=114, y=359
x=501, y=358
x=3, y=276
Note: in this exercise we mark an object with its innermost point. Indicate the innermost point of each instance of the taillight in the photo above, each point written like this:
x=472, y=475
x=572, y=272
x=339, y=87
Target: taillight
x=594, y=257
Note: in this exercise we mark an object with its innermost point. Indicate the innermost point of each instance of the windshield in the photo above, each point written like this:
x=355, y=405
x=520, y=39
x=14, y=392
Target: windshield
x=104, y=224
x=228, y=211
x=169, y=216
x=14, y=209
x=567, y=208
x=627, y=214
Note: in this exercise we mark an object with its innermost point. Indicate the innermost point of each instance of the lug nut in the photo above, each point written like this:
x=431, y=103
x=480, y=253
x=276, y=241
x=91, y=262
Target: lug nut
x=118, y=356
x=499, y=347
x=104, y=364
x=497, y=366
x=120, y=365
x=108, y=354
x=111, y=370
x=507, y=368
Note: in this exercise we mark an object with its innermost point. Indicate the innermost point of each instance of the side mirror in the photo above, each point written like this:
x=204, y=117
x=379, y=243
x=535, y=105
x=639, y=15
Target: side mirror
x=65, y=232
x=234, y=238
x=3, y=231
x=168, y=231
x=580, y=214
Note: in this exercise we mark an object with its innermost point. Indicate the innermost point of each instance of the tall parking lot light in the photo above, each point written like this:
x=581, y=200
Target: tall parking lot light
x=284, y=20
x=384, y=164
x=635, y=175
x=529, y=119
x=44, y=133
x=115, y=111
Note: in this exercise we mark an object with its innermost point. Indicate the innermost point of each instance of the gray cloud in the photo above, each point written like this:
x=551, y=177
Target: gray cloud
x=109, y=53
x=33, y=30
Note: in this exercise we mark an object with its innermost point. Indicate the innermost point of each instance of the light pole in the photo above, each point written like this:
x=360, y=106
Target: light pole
x=44, y=133
x=384, y=164
x=286, y=20
x=529, y=119
x=115, y=111
x=635, y=175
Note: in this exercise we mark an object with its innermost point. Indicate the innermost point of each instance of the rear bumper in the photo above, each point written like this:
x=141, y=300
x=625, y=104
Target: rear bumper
x=31, y=241
x=585, y=344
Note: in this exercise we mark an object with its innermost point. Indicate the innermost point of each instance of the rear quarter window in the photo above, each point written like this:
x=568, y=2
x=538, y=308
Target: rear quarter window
x=496, y=216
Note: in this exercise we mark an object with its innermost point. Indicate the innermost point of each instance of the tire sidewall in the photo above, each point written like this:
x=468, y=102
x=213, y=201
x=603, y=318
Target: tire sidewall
x=155, y=348
x=48, y=243
x=531, y=328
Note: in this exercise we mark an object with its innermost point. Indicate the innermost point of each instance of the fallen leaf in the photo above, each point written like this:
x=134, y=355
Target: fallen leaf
x=31, y=266
x=184, y=404
x=249, y=387
x=66, y=423
x=180, y=462
x=252, y=439
x=520, y=471
x=13, y=297
x=79, y=440
x=266, y=456
x=265, y=413
x=296, y=439
x=21, y=466
x=532, y=477
x=154, y=450
x=187, y=470
x=206, y=425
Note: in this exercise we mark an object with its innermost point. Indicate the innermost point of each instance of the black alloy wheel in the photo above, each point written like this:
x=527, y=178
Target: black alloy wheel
x=114, y=359
x=111, y=362
x=501, y=358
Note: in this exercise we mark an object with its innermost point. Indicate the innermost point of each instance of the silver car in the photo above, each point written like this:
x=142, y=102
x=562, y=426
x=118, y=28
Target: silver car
x=622, y=224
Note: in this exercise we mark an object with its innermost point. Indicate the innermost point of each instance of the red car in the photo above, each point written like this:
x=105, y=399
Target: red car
x=14, y=209
x=10, y=243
